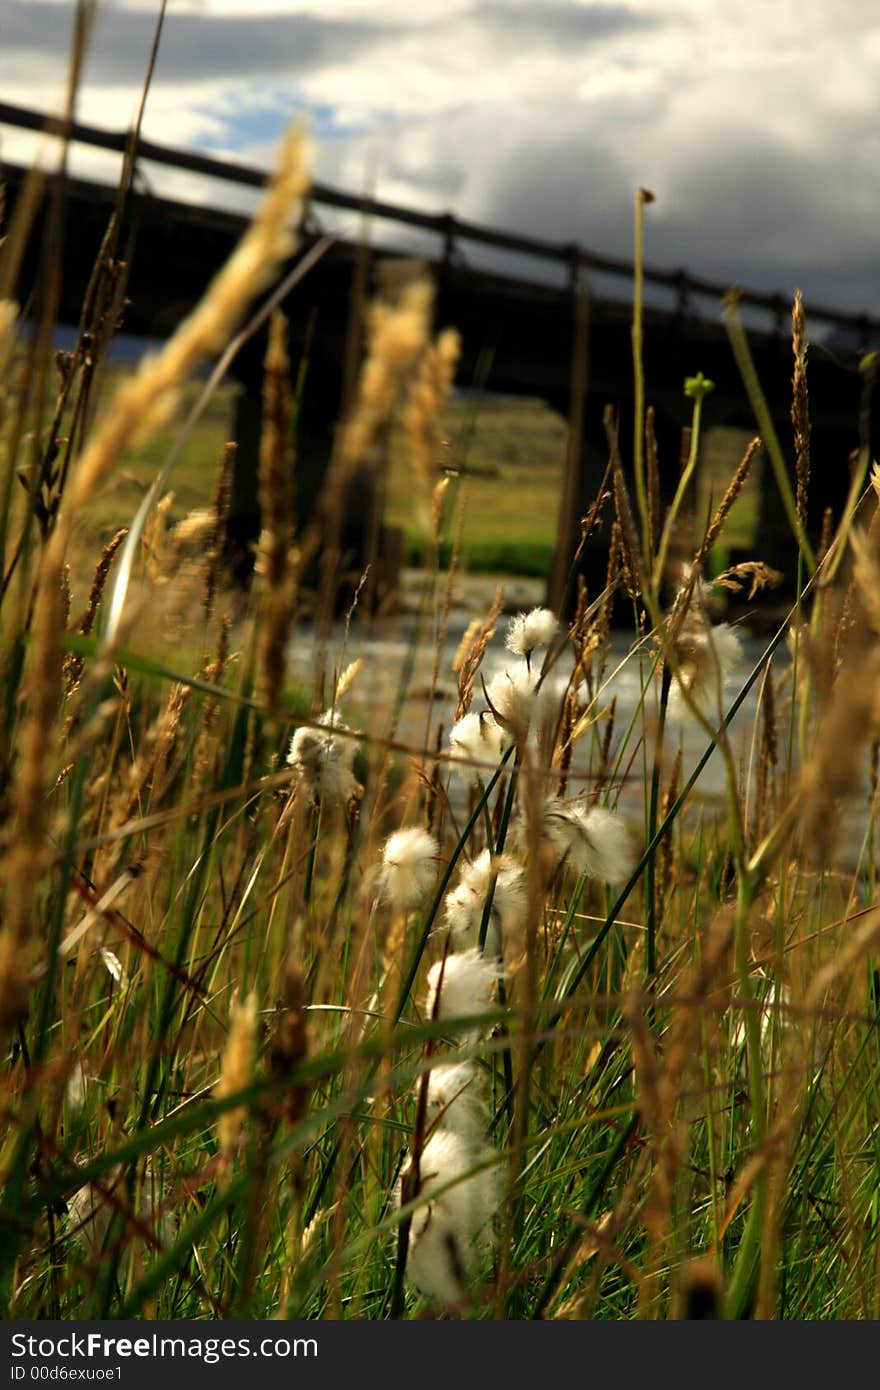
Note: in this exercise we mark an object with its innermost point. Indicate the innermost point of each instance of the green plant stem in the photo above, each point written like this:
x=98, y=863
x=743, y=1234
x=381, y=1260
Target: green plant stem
x=639, y=377
x=499, y=849
x=650, y=868
x=684, y=483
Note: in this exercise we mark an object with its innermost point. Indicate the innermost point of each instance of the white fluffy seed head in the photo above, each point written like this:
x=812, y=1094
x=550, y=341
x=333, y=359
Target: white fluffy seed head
x=530, y=630
x=465, y=982
x=77, y=1087
x=518, y=700
x=452, y=1234
x=89, y=1212
x=409, y=866
x=323, y=761
x=463, y=913
x=593, y=841
x=478, y=738
x=708, y=657
x=454, y=1100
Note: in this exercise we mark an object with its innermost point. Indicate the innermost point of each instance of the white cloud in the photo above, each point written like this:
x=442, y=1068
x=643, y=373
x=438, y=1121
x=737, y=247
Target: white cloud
x=754, y=123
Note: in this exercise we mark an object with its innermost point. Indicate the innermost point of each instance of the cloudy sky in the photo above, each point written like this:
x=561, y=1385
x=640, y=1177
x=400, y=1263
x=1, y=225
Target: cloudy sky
x=756, y=124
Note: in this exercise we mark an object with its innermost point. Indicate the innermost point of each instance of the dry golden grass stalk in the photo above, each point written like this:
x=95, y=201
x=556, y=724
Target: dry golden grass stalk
x=667, y=853
x=582, y=634
x=276, y=471
x=236, y=1073
x=684, y=451
x=65, y=595
x=753, y=573
x=207, y=745
x=191, y=532
x=214, y=555
x=593, y=515
x=849, y=721
x=276, y=510
x=866, y=574
x=398, y=328
x=23, y=862
x=775, y=1148
x=470, y=660
x=438, y=497
x=768, y=760
x=800, y=410
x=433, y=784
x=289, y=1043
x=630, y=552
x=347, y=679
x=154, y=766
x=397, y=333
x=734, y=488
x=613, y=576
x=154, y=541
x=428, y=394
x=86, y=621
x=141, y=403
x=827, y=534
x=629, y=558
x=73, y=663
x=660, y=1083
x=657, y=1097
x=601, y=775
x=8, y=316
x=564, y=747
x=468, y=637
x=145, y=400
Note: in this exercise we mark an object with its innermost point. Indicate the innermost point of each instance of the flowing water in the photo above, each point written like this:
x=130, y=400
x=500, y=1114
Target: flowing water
x=398, y=654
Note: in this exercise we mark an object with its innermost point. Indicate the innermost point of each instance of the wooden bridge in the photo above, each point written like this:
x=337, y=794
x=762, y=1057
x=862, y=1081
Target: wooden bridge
x=523, y=327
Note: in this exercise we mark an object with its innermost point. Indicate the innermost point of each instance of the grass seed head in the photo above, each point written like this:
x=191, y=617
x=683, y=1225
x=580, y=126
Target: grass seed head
x=451, y=1235
x=409, y=867
x=461, y=985
x=527, y=631
x=463, y=911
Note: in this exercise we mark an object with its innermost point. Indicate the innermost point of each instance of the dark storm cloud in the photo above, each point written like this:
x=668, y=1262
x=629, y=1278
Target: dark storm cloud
x=209, y=46
x=194, y=46
x=740, y=206
x=560, y=25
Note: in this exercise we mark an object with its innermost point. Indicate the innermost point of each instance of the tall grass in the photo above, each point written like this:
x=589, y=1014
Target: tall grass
x=224, y=1073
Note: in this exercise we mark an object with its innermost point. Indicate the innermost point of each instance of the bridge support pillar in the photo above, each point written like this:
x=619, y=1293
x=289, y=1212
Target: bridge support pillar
x=351, y=537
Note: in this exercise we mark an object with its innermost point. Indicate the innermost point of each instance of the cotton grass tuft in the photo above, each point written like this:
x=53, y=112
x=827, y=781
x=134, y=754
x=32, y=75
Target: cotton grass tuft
x=461, y=985
x=324, y=761
x=463, y=913
x=528, y=631
x=409, y=867
x=594, y=840
x=452, y=1235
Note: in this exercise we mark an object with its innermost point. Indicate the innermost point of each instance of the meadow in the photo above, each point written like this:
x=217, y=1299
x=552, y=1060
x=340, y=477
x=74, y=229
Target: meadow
x=305, y=1019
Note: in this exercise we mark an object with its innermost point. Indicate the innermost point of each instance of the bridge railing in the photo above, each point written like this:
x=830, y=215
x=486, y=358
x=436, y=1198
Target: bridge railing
x=451, y=230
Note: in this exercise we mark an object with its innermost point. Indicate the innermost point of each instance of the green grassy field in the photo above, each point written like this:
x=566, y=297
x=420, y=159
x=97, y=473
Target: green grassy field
x=509, y=453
